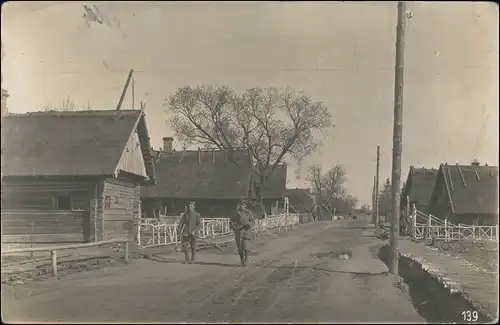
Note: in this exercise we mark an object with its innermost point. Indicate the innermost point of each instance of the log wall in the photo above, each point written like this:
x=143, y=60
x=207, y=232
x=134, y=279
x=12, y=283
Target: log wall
x=44, y=226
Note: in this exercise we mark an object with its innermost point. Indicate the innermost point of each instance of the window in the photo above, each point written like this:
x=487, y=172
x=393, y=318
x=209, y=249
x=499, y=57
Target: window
x=61, y=202
x=107, y=202
x=77, y=204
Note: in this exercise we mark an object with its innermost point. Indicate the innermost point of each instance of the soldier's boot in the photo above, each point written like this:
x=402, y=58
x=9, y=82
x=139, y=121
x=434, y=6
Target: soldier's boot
x=193, y=254
x=186, y=254
x=246, y=256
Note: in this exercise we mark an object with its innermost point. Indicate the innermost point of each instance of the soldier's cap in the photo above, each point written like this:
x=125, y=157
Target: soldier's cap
x=191, y=203
x=244, y=201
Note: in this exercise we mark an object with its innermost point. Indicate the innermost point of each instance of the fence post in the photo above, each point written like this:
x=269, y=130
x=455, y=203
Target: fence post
x=125, y=252
x=414, y=220
x=53, y=256
x=459, y=232
x=446, y=228
x=139, y=232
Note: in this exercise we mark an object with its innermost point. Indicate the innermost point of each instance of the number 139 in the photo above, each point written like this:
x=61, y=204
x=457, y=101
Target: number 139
x=470, y=316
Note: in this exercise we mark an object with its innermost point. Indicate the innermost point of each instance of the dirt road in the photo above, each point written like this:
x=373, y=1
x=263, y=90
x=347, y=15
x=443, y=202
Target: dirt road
x=293, y=277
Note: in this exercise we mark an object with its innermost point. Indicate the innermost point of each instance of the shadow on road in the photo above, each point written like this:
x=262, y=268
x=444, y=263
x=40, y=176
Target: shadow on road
x=159, y=259
x=268, y=266
x=359, y=227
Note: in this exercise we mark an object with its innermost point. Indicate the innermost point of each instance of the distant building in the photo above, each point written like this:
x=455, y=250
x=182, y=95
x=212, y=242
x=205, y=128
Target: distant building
x=5, y=95
x=418, y=189
x=300, y=200
x=73, y=176
x=466, y=194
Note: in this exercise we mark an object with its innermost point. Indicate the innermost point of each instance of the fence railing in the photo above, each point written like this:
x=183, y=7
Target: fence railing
x=53, y=250
x=426, y=226
x=154, y=233
x=459, y=232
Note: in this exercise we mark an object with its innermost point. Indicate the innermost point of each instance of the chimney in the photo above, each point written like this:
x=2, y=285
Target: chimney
x=168, y=143
x=475, y=163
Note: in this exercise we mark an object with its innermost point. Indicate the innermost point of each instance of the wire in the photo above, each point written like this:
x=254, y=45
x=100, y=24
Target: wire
x=271, y=70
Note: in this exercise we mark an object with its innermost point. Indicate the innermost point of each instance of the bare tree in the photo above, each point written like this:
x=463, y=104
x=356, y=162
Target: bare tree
x=385, y=197
x=365, y=208
x=68, y=105
x=272, y=124
x=329, y=187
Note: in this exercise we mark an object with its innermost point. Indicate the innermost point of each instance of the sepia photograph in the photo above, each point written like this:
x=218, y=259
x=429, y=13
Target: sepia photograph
x=249, y=162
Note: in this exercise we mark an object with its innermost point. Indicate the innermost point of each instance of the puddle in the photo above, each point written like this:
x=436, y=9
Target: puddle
x=342, y=254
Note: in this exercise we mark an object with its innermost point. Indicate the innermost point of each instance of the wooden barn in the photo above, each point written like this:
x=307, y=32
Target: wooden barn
x=73, y=176
x=418, y=189
x=214, y=180
x=273, y=191
x=466, y=194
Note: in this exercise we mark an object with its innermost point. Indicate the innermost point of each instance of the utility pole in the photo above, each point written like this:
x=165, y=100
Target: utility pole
x=373, y=199
x=397, y=145
x=377, y=182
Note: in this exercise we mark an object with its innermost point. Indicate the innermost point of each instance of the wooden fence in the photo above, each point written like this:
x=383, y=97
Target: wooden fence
x=53, y=250
x=436, y=229
x=153, y=233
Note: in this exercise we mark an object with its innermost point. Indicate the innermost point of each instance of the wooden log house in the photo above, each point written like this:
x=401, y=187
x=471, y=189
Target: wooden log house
x=73, y=176
x=466, y=194
x=209, y=177
x=418, y=189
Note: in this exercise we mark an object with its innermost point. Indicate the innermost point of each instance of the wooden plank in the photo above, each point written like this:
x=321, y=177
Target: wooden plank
x=42, y=223
x=44, y=238
x=132, y=158
x=41, y=230
x=39, y=215
x=118, y=218
x=63, y=247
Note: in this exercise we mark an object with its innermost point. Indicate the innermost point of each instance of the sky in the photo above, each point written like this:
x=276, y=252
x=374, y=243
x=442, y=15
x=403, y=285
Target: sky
x=340, y=53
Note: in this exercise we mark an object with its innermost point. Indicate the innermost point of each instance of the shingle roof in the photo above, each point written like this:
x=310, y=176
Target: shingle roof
x=180, y=175
x=82, y=143
x=275, y=186
x=419, y=185
x=476, y=192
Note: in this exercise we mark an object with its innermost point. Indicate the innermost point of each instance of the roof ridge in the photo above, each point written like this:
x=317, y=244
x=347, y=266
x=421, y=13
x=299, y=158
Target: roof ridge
x=72, y=113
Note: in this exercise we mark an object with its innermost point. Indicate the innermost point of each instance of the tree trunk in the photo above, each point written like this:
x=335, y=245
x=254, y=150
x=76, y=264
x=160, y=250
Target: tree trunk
x=260, y=199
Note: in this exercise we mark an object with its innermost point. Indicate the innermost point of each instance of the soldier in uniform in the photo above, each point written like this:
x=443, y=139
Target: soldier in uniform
x=242, y=222
x=189, y=226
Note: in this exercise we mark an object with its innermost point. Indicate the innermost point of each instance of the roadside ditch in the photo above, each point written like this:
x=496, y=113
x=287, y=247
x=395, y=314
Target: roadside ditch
x=431, y=299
